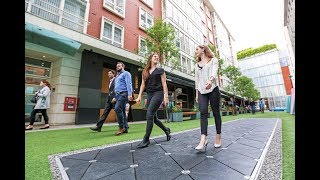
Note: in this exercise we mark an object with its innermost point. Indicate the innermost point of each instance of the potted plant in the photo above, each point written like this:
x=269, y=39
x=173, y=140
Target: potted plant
x=197, y=115
x=223, y=110
x=177, y=115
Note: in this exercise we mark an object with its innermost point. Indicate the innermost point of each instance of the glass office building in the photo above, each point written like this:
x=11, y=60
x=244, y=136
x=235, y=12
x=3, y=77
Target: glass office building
x=265, y=71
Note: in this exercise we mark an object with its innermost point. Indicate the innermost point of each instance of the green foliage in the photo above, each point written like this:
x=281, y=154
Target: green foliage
x=244, y=87
x=220, y=61
x=195, y=108
x=160, y=39
x=250, y=51
x=232, y=73
x=176, y=108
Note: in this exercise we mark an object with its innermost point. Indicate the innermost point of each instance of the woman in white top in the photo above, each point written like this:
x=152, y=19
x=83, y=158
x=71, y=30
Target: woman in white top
x=207, y=90
x=43, y=103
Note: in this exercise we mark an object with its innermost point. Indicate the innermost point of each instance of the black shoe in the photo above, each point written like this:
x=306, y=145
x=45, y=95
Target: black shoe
x=95, y=129
x=143, y=143
x=125, y=131
x=168, y=131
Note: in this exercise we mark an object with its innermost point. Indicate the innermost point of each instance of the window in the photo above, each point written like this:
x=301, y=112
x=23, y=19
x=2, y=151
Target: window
x=177, y=39
x=184, y=64
x=169, y=10
x=112, y=33
x=209, y=23
x=73, y=15
x=142, y=46
x=148, y=2
x=116, y=6
x=145, y=20
x=211, y=37
x=35, y=71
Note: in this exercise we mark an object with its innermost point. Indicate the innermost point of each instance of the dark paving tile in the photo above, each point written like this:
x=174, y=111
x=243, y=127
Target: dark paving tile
x=190, y=140
x=127, y=174
x=114, y=156
x=229, y=137
x=183, y=177
x=164, y=159
x=245, y=150
x=68, y=163
x=89, y=155
x=239, y=162
x=251, y=143
x=256, y=138
x=211, y=169
x=76, y=172
x=159, y=168
x=188, y=161
x=142, y=157
x=179, y=149
x=98, y=170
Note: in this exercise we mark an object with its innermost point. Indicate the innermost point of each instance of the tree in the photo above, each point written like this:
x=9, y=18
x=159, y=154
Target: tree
x=232, y=73
x=245, y=88
x=220, y=61
x=160, y=38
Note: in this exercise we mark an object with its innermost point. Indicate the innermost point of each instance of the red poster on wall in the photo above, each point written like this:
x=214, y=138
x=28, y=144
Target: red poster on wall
x=70, y=103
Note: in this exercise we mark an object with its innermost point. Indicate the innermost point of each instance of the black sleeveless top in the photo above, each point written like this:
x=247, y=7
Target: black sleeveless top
x=153, y=82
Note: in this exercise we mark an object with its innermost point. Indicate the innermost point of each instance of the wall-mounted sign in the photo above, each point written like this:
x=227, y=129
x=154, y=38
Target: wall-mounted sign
x=70, y=103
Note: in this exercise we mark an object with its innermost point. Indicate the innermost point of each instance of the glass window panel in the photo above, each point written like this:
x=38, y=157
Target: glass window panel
x=107, y=32
x=31, y=70
x=37, y=62
x=149, y=21
x=33, y=80
x=117, y=34
x=169, y=9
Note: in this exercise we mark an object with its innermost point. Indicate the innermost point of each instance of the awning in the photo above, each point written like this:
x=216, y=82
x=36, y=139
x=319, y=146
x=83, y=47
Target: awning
x=179, y=80
x=50, y=39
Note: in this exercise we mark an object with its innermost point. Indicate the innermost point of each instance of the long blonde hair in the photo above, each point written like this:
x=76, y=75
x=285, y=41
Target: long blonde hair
x=206, y=51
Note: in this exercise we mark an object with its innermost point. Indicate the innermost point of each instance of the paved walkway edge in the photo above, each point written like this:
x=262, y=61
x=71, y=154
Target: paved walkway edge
x=59, y=173
x=256, y=171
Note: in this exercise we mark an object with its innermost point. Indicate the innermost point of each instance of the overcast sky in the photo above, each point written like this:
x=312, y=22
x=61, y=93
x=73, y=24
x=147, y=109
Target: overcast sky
x=252, y=23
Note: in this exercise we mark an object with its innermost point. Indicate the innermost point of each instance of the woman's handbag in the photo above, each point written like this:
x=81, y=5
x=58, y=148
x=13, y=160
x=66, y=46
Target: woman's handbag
x=34, y=99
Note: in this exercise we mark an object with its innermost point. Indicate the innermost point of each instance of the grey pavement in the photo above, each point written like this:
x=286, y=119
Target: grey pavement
x=244, y=146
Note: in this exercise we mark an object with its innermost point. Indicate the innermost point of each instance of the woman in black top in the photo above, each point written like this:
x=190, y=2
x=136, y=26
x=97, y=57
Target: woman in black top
x=154, y=79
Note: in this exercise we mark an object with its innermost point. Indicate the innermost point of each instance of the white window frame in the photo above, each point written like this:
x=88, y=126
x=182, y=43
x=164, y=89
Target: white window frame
x=139, y=45
x=147, y=16
x=113, y=10
x=146, y=3
x=104, y=19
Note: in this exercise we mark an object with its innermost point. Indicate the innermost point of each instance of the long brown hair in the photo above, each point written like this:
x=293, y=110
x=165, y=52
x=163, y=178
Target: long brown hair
x=47, y=83
x=145, y=72
x=206, y=51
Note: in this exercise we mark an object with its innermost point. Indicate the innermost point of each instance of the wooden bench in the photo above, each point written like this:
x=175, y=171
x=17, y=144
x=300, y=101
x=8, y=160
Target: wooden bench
x=188, y=113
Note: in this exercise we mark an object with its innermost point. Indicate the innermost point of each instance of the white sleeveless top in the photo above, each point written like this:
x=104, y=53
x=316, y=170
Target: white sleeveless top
x=203, y=74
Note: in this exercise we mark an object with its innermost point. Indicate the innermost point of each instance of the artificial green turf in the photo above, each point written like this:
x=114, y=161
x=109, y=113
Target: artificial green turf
x=288, y=148
x=41, y=144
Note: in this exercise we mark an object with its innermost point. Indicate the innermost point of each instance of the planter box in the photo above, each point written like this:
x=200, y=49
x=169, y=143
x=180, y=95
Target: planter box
x=224, y=113
x=176, y=117
x=195, y=116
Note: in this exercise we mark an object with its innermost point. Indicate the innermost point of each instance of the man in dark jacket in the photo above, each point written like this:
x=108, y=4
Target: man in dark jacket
x=109, y=103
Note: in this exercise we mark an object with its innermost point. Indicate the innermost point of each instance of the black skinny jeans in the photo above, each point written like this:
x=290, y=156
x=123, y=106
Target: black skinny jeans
x=154, y=101
x=214, y=98
x=43, y=112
